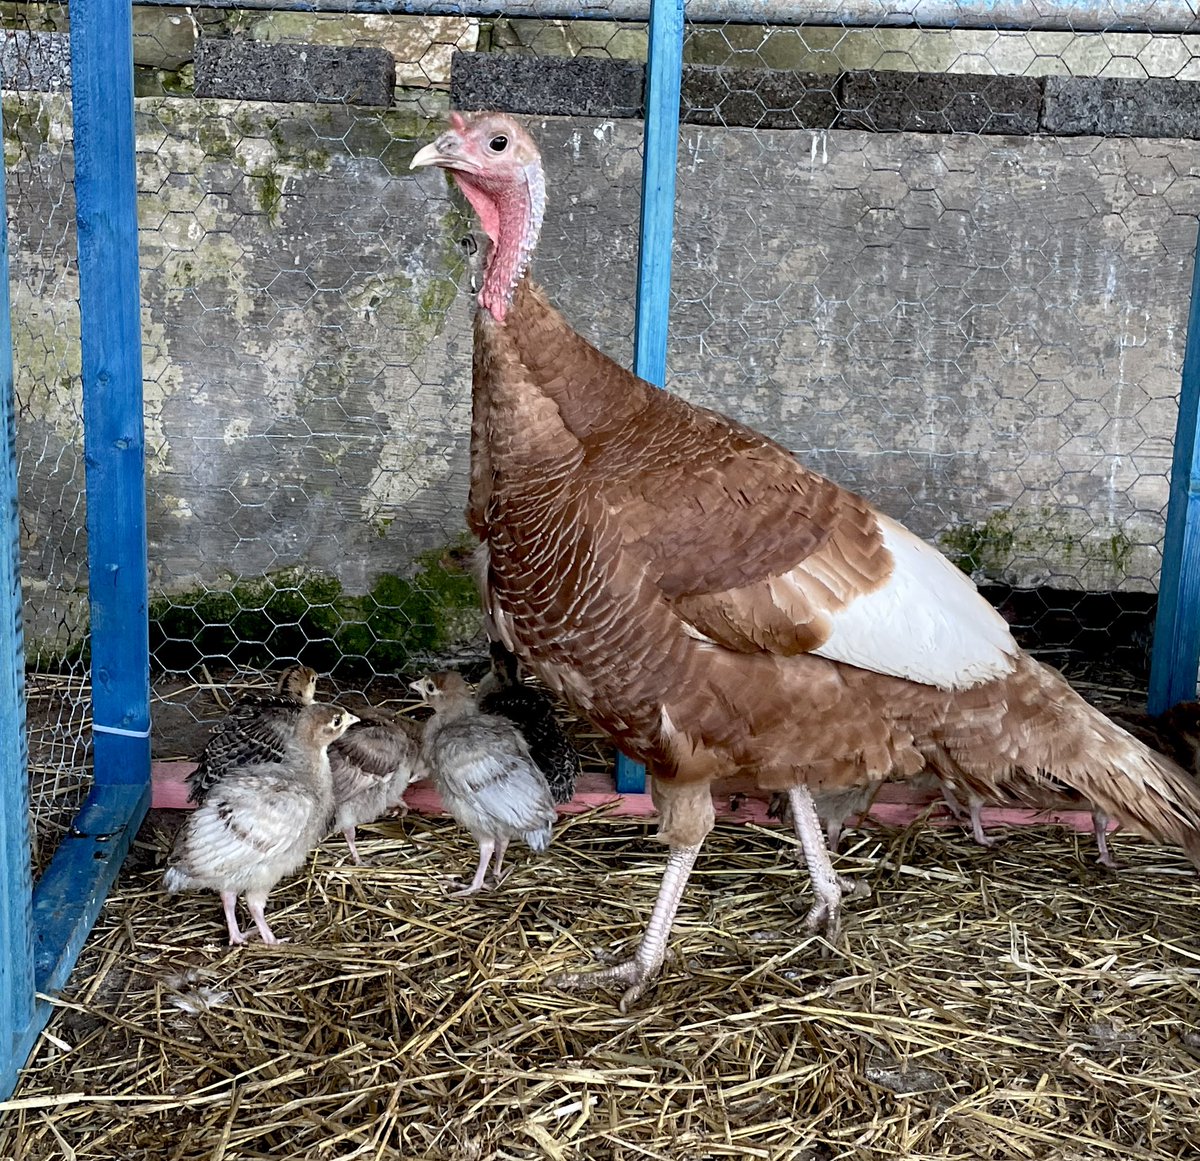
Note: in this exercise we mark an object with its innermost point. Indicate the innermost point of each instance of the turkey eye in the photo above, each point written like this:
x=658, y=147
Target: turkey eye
x=498, y=144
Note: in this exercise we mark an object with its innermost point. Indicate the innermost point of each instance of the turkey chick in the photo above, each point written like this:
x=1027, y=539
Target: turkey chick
x=259, y=821
x=503, y=692
x=484, y=773
x=257, y=728
x=373, y=764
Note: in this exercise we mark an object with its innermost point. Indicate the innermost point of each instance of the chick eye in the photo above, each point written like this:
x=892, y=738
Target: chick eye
x=337, y=720
x=498, y=144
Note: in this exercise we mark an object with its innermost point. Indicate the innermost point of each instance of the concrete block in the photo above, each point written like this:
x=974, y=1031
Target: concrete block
x=758, y=98
x=580, y=87
x=35, y=61
x=1108, y=107
x=898, y=102
x=249, y=70
x=421, y=45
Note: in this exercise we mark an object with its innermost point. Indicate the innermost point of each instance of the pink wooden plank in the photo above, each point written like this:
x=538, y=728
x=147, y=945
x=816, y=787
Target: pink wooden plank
x=897, y=805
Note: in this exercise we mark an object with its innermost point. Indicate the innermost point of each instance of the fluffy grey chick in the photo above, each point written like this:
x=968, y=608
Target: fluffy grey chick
x=503, y=692
x=483, y=771
x=259, y=821
x=373, y=764
x=257, y=728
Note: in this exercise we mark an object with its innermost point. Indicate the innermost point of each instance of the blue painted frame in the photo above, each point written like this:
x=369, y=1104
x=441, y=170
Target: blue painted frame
x=70, y=893
x=1176, y=652
x=664, y=74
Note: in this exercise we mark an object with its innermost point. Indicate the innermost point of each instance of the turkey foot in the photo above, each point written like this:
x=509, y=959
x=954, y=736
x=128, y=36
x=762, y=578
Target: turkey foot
x=829, y=886
x=981, y=836
x=1100, y=826
x=637, y=973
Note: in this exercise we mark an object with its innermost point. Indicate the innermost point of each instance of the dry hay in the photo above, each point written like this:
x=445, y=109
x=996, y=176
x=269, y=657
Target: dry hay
x=1020, y=1003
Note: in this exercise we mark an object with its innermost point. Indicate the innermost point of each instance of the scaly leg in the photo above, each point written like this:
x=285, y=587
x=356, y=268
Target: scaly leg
x=636, y=973
x=1100, y=826
x=486, y=846
x=257, y=902
x=349, y=833
x=498, y=872
x=951, y=800
x=827, y=883
x=229, y=902
x=981, y=836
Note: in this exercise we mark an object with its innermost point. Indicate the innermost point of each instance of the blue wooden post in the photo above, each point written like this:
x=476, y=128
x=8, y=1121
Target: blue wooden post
x=1177, y=625
x=664, y=71
x=70, y=893
x=16, y=887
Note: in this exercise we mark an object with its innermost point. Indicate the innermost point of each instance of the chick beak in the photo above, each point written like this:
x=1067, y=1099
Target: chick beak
x=350, y=719
x=415, y=686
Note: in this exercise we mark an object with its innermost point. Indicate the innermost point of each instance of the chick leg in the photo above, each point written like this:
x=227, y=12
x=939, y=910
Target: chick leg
x=486, y=846
x=827, y=883
x=636, y=973
x=349, y=833
x=257, y=902
x=229, y=902
x=497, y=872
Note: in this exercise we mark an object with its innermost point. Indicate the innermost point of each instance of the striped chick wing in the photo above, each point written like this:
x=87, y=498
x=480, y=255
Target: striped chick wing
x=259, y=728
x=489, y=782
x=374, y=764
x=254, y=827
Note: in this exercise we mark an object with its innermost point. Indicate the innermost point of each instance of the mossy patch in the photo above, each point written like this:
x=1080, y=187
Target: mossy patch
x=989, y=550
x=310, y=617
x=981, y=548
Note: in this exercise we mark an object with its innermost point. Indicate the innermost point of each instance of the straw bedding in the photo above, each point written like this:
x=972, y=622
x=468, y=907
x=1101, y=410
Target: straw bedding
x=1020, y=1003
x=1016, y=1003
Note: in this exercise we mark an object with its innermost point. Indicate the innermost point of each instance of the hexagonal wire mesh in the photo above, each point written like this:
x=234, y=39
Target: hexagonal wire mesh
x=982, y=333
x=943, y=304
x=45, y=327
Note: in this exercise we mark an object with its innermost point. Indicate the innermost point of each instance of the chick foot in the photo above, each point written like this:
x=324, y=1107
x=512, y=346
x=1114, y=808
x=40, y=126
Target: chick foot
x=637, y=973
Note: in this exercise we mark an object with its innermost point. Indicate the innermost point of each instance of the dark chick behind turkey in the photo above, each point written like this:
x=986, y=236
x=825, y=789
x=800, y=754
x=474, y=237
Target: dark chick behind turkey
x=532, y=712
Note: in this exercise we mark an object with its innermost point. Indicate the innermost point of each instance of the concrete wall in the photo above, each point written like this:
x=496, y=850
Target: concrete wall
x=984, y=335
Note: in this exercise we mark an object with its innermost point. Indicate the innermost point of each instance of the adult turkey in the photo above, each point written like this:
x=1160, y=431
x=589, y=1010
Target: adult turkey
x=722, y=611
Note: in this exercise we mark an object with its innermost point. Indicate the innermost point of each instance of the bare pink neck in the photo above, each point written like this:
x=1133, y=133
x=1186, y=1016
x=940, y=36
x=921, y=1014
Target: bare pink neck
x=512, y=218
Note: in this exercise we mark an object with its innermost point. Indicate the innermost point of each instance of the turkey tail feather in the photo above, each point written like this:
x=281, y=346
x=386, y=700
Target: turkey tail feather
x=1029, y=736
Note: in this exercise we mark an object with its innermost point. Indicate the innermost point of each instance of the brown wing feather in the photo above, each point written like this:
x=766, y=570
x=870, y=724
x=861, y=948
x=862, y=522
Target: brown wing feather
x=713, y=508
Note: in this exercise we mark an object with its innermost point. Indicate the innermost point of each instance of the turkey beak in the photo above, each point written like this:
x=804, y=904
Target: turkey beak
x=444, y=151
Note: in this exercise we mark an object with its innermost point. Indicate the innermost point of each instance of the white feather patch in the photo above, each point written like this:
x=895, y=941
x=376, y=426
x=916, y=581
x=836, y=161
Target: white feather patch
x=928, y=623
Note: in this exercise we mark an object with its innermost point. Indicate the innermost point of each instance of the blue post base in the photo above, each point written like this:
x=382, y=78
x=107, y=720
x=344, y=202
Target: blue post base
x=631, y=776
x=68, y=897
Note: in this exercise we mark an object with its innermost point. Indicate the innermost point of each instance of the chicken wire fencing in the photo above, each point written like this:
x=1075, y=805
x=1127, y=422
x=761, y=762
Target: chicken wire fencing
x=949, y=269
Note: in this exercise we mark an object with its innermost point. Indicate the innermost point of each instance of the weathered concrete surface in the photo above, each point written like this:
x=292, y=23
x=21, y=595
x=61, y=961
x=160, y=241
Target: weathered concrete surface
x=955, y=326
x=39, y=61
x=251, y=70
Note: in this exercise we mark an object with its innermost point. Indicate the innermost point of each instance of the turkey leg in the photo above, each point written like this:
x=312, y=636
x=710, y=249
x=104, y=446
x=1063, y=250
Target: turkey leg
x=636, y=973
x=827, y=883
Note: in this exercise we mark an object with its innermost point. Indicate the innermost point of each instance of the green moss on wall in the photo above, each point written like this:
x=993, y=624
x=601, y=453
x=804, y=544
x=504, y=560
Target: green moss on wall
x=988, y=551
x=310, y=617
